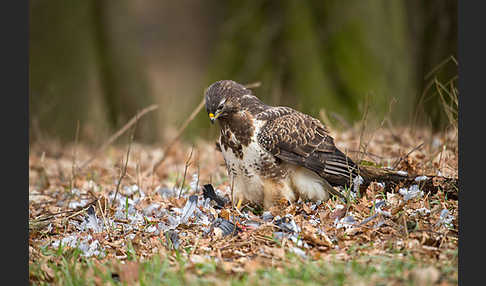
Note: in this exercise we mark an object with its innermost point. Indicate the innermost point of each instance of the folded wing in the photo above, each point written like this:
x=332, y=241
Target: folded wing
x=300, y=139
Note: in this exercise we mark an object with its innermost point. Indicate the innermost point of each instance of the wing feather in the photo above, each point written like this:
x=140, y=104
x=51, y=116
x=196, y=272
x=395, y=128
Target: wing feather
x=300, y=139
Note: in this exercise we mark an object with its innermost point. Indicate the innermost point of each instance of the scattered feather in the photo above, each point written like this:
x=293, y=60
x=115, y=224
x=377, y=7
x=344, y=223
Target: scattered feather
x=411, y=192
x=226, y=226
x=267, y=216
x=357, y=181
x=346, y=222
x=299, y=252
x=78, y=204
x=402, y=173
x=172, y=239
x=209, y=193
x=287, y=224
x=167, y=193
x=423, y=211
x=194, y=182
x=189, y=209
x=421, y=178
x=91, y=221
x=445, y=218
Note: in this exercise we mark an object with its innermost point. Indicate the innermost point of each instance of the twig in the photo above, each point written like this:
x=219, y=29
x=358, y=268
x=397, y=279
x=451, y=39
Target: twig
x=198, y=172
x=398, y=208
x=363, y=146
x=232, y=197
x=124, y=170
x=73, y=170
x=253, y=84
x=405, y=225
x=366, y=154
x=411, y=151
x=48, y=216
x=186, y=166
x=440, y=65
x=82, y=209
x=137, y=169
x=325, y=119
x=179, y=133
x=104, y=219
x=119, y=133
x=341, y=120
x=362, y=152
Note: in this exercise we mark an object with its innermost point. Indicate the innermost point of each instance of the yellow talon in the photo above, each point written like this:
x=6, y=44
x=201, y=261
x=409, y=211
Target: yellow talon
x=238, y=205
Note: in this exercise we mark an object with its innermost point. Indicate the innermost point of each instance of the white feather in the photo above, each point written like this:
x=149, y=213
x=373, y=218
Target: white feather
x=309, y=185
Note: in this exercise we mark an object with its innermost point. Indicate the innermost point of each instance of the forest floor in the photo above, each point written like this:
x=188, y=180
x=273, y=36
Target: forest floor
x=113, y=221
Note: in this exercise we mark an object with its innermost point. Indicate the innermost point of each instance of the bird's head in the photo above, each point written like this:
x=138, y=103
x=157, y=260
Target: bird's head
x=222, y=99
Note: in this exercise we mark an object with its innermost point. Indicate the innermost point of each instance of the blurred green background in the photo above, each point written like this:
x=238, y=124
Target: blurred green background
x=98, y=62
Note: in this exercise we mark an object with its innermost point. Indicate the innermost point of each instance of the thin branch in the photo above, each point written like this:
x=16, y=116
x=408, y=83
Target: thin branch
x=72, y=182
x=363, y=146
x=440, y=65
x=73, y=170
x=119, y=133
x=253, y=84
x=366, y=154
x=186, y=166
x=104, y=219
x=124, y=170
x=411, y=151
x=179, y=133
x=341, y=120
x=198, y=172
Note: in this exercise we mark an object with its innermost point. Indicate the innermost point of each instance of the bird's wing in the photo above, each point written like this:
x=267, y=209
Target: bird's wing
x=300, y=139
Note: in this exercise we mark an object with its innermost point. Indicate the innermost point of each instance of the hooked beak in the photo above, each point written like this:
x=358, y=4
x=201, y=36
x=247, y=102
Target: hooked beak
x=212, y=118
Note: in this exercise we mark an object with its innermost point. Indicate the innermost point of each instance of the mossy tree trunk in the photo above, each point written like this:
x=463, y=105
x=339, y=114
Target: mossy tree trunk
x=123, y=79
x=86, y=66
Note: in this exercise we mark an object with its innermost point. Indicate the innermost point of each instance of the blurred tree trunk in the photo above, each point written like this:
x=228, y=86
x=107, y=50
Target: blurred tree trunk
x=308, y=79
x=433, y=31
x=365, y=54
x=123, y=79
x=62, y=70
x=85, y=64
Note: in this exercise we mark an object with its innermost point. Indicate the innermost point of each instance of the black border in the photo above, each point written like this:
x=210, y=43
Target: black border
x=471, y=54
x=14, y=25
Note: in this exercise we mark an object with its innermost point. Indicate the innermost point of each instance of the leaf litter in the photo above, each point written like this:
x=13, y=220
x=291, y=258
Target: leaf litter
x=159, y=214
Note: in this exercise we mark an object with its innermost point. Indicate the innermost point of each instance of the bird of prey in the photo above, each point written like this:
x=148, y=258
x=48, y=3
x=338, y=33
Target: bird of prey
x=274, y=152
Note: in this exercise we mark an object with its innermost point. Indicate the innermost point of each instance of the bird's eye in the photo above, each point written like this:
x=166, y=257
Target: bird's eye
x=221, y=104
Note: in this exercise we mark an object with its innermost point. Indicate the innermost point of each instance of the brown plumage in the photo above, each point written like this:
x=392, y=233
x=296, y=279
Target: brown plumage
x=273, y=152
x=300, y=139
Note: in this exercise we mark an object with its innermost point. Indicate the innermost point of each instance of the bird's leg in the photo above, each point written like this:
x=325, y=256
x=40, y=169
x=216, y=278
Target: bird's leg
x=238, y=205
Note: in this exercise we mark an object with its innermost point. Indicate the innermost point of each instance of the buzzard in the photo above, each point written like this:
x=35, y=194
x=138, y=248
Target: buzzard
x=274, y=152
